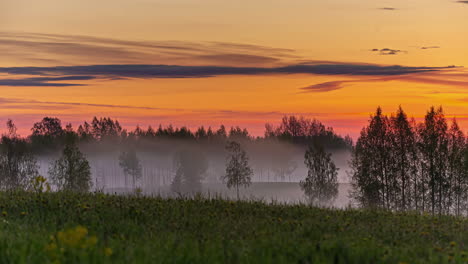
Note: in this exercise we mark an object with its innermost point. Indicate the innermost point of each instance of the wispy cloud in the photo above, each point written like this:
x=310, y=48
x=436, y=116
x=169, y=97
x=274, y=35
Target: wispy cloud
x=388, y=8
x=45, y=81
x=387, y=51
x=120, y=59
x=437, y=81
x=18, y=103
x=22, y=103
x=37, y=48
x=430, y=47
x=462, y=2
x=324, y=87
x=437, y=78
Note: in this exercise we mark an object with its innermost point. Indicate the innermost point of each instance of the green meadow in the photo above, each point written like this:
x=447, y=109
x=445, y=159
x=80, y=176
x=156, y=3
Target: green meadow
x=59, y=227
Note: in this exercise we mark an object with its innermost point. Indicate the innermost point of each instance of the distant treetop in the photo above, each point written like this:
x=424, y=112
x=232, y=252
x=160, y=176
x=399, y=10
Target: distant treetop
x=50, y=135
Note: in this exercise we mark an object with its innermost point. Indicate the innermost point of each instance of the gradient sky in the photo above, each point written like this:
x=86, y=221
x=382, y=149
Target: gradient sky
x=208, y=62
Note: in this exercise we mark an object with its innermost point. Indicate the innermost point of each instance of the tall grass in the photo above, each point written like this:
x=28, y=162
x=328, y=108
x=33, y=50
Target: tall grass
x=99, y=228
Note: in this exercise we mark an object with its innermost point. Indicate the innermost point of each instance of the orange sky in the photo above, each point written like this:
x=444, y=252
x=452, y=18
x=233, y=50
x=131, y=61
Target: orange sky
x=337, y=37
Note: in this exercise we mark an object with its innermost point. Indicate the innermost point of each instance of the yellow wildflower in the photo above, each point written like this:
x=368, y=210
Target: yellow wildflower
x=108, y=251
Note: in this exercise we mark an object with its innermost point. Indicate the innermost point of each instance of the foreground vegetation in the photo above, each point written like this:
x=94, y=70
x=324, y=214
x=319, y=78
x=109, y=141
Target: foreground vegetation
x=98, y=228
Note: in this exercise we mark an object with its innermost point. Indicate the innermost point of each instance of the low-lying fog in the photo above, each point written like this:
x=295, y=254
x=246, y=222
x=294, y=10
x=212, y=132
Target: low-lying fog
x=278, y=169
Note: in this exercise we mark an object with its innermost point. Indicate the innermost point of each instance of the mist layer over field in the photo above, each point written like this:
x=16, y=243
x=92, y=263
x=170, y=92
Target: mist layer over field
x=278, y=168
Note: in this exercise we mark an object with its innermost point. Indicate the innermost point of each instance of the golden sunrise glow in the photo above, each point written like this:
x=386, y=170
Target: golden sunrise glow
x=256, y=34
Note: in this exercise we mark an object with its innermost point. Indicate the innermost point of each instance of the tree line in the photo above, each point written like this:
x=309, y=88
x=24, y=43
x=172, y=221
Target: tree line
x=400, y=164
x=19, y=168
x=71, y=169
x=397, y=163
x=50, y=135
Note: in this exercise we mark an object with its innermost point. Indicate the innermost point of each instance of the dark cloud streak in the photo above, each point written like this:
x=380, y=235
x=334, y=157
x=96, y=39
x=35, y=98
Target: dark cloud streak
x=324, y=87
x=387, y=51
x=45, y=81
x=178, y=71
x=430, y=47
x=13, y=102
x=51, y=75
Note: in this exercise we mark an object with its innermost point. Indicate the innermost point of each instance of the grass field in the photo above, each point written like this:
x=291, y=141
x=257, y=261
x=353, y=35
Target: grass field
x=98, y=228
x=283, y=192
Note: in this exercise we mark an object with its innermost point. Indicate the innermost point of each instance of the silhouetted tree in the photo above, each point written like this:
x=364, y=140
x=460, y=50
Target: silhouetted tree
x=221, y=133
x=84, y=132
x=457, y=173
x=18, y=167
x=70, y=136
x=433, y=147
x=303, y=131
x=150, y=133
x=404, y=156
x=464, y=202
x=201, y=133
x=105, y=129
x=183, y=133
x=371, y=163
x=47, y=134
x=283, y=162
x=71, y=172
x=130, y=164
x=190, y=166
x=237, y=133
x=321, y=184
x=49, y=126
x=399, y=165
x=238, y=171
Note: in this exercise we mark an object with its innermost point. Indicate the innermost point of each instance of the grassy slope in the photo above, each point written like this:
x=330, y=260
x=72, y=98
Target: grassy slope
x=152, y=230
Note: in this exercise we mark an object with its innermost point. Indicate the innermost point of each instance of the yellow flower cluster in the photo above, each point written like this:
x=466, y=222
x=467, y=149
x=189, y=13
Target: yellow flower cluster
x=108, y=251
x=73, y=241
x=40, y=184
x=76, y=238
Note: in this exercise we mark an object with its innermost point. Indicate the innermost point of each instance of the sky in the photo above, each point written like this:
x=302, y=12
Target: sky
x=246, y=63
